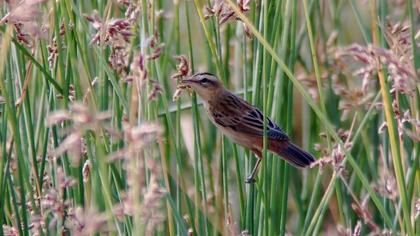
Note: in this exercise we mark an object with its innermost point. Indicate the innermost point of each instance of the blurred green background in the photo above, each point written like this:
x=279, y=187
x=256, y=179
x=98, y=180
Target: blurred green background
x=92, y=142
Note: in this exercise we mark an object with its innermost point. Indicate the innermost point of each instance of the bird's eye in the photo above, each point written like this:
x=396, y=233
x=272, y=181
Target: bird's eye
x=204, y=81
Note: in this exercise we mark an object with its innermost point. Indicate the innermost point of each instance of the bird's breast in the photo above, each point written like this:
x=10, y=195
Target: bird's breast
x=230, y=132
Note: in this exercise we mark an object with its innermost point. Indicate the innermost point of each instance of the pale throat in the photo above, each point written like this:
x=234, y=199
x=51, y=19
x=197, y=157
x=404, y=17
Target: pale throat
x=213, y=96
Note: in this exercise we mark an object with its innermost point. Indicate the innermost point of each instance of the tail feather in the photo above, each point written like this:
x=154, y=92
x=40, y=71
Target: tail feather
x=296, y=156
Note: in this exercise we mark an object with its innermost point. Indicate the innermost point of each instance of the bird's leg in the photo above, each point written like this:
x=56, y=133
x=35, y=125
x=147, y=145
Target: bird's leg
x=251, y=178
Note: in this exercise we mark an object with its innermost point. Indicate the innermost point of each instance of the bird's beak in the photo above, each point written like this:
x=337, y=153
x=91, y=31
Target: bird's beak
x=188, y=81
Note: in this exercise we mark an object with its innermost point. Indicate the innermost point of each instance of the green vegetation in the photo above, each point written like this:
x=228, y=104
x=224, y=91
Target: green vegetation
x=92, y=141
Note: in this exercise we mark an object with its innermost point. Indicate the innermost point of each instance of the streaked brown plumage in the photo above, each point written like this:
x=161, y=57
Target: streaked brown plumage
x=244, y=123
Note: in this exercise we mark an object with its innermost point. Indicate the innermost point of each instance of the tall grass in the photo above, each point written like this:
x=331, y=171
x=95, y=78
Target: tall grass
x=92, y=141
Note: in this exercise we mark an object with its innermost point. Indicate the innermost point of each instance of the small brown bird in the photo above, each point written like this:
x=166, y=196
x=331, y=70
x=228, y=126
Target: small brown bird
x=244, y=123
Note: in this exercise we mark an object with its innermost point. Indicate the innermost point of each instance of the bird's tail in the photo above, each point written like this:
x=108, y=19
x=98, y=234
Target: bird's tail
x=295, y=155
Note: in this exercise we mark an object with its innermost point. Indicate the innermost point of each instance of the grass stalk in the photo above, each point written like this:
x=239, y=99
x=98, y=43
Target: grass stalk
x=92, y=143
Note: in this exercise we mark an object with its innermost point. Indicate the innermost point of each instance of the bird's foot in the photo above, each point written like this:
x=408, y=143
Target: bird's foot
x=250, y=179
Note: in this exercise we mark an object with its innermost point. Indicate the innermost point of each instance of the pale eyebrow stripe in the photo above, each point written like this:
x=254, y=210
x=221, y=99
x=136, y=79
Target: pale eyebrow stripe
x=204, y=73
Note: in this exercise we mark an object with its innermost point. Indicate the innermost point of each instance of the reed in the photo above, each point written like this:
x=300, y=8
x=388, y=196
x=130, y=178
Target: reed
x=92, y=142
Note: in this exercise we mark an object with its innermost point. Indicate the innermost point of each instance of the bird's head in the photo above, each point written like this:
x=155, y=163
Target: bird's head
x=206, y=85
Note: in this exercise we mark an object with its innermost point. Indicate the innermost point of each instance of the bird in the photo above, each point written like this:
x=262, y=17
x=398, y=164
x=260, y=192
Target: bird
x=243, y=123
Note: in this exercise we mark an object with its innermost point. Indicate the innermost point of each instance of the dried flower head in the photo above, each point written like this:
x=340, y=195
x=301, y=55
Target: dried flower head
x=412, y=133
x=133, y=12
x=86, y=222
x=398, y=38
x=367, y=61
x=177, y=94
x=63, y=180
x=362, y=212
x=37, y=224
x=81, y=115
x=155, y=91
x=183, y=68
x=224, y=13
x=338, y=156
x=83, y=120
x=94, y=82
x=343, y=231
x=137, y=138
x=309, y=80
x=57, y=118
x=10, y=230
x=109, y=32
x=124, y=2
x=222, y=10
x=322, y=162
x=139, y=75
x=373, y=59
x=138, y=70
x=387, y=186
x=151, y=215
x=116, y=34
x=52, y=53
x=53, y=203
x=22, y=11
x=417, y=208
x=118, y=59
x=382, y=127
x=353, y=99
x=155, y=46
x=357, y=229
x=179, y=89
x=142, y=135
x=86, y=171
x=72, y=144
x=25, y=16
x=336, y=159
x=139, y=143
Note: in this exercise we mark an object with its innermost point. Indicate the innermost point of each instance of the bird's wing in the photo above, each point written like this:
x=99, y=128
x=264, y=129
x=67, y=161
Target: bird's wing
x=240, y=116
